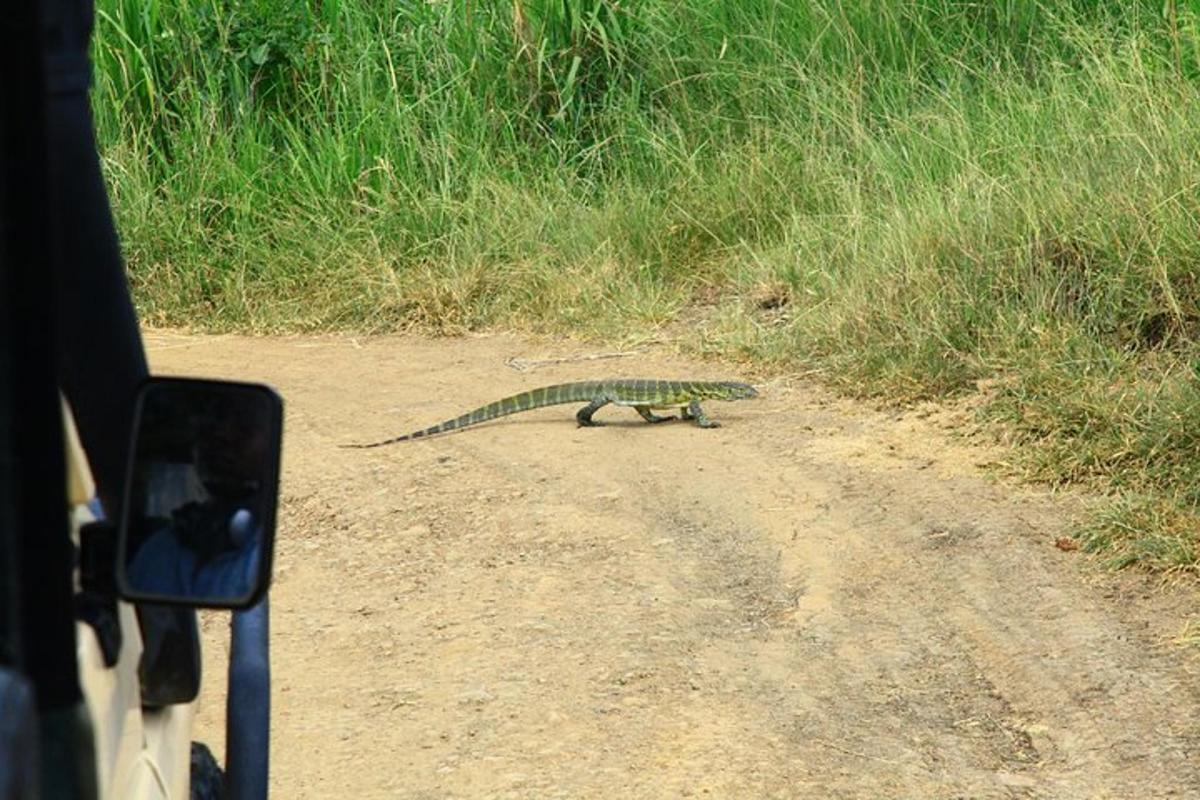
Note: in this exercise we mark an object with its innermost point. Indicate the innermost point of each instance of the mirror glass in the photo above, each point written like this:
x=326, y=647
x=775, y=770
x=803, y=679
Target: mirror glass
x=198, y=521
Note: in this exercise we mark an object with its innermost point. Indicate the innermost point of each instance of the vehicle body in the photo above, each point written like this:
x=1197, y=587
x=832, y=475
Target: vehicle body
x=140, y=752
x=99, y=657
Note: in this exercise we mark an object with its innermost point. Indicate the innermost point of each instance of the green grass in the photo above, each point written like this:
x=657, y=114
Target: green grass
x=912, y=197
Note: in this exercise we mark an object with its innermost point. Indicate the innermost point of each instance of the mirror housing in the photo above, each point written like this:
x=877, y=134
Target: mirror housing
x=197, y=523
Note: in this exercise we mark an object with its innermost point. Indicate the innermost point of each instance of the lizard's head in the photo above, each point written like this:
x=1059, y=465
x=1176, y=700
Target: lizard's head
x=738, y=391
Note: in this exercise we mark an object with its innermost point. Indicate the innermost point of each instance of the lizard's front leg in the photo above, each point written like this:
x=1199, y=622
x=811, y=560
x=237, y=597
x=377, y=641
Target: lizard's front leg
x=694, y=411
x=584, y=415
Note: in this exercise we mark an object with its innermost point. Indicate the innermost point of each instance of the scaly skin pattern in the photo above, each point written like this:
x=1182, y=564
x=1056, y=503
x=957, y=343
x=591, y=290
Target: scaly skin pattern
x=641, y=394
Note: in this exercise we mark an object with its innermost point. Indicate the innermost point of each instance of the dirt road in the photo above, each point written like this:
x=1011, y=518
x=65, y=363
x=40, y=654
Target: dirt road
x=815, y=600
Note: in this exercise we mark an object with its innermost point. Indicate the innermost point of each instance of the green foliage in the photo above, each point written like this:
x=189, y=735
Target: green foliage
x=572, y=53
x=912, y=197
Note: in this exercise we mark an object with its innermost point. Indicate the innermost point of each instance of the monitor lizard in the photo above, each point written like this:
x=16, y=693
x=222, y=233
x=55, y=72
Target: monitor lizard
x=641, y=394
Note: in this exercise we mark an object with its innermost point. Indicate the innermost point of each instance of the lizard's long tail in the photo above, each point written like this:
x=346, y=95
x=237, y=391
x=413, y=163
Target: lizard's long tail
x=525, y=401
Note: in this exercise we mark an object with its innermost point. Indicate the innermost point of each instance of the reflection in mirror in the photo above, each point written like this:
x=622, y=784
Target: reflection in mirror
x=200, y=504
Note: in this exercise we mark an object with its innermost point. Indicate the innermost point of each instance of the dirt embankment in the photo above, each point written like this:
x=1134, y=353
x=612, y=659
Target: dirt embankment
x=815, y=600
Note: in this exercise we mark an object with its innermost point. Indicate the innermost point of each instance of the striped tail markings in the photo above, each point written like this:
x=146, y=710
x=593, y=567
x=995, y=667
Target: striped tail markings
x=513, y=404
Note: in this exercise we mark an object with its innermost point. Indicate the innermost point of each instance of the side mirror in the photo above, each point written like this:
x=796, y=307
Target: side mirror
x=197, y=526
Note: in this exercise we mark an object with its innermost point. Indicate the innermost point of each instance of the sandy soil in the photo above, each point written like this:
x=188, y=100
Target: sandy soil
x=815, y=600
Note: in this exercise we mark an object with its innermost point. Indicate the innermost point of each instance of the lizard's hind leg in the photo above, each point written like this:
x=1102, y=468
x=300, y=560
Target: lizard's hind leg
x=584, y=415
x=649, y=415
x=694, y=411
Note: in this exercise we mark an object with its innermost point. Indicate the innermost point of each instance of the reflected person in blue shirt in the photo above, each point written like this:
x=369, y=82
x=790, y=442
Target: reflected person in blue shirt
x=165, y=564
x=201, y=514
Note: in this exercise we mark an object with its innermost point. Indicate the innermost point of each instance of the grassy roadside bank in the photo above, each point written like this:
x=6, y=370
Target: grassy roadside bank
x=913, y=198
